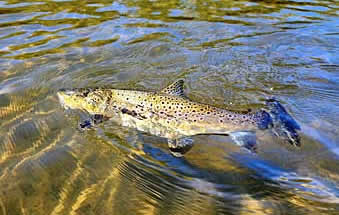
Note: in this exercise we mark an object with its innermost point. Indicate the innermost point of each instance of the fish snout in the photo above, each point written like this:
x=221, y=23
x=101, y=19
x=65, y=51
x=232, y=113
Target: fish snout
x=63, y=96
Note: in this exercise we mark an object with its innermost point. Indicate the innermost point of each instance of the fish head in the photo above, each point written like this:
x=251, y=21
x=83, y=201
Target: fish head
x=83, y=99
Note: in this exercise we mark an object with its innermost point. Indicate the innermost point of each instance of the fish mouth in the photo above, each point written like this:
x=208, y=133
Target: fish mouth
x=63, y=94
x=66, y=91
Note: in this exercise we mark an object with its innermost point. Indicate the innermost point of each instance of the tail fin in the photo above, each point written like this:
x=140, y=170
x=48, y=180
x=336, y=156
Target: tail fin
x=283, y=123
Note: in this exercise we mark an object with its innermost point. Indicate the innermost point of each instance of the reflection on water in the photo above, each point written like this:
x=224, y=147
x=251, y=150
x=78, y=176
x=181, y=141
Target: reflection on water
x=231, y=53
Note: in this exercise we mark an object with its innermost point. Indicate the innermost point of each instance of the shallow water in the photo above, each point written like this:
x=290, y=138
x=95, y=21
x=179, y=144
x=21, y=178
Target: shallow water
x=231, y=54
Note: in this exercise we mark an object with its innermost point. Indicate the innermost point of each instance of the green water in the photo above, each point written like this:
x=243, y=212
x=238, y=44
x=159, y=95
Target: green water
x=231, y=54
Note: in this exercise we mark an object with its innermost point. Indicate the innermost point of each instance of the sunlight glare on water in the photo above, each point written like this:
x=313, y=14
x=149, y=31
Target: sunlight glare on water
x=231, y=54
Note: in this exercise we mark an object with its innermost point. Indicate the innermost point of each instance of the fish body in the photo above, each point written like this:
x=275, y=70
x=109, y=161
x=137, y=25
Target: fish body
x=167, y=113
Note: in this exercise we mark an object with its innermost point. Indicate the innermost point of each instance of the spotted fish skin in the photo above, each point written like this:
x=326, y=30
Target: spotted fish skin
x=167, y=113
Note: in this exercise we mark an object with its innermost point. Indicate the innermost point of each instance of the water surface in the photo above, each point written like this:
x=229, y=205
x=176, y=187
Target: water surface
x=231, y=53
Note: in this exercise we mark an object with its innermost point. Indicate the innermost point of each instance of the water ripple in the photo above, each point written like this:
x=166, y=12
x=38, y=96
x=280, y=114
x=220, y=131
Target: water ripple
x=231, y=54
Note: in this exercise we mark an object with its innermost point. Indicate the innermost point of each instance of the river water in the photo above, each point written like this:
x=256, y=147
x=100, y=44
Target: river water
x=231, y=54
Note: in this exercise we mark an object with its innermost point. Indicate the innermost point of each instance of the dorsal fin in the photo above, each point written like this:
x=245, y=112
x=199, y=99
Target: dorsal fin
x=175, y=89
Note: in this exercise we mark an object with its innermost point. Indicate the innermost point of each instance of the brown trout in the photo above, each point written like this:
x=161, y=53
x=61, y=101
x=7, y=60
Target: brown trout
x=169, y=113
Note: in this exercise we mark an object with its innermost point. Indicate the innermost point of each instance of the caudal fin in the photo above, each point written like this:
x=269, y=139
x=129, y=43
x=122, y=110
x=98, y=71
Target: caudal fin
x=283, y=123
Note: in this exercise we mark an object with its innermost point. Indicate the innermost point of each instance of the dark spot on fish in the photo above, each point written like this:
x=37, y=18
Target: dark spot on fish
x=132, y=113
x=142, y=116
x=85, y=94
x=108, y=100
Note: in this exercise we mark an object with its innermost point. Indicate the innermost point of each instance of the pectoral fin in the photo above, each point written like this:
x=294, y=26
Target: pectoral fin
x=245, y=139
x=178, y=147
x=94, y=119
